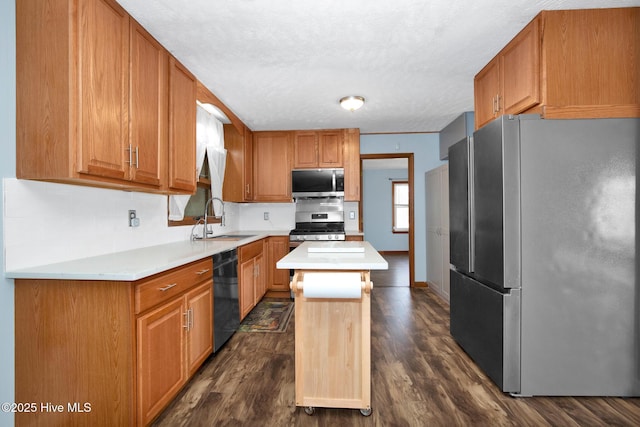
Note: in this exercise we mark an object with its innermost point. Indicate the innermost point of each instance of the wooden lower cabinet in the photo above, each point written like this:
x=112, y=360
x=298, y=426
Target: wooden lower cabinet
x=161, y=344
x=251, y=276
x=123, y=348
x=354, y=238
x=278, y=247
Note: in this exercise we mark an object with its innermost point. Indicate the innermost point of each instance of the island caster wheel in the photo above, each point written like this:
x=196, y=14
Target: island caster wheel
x=366, y=412
x=309, y=410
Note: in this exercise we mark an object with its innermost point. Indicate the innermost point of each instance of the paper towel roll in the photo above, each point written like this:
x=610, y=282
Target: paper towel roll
x=332, y=285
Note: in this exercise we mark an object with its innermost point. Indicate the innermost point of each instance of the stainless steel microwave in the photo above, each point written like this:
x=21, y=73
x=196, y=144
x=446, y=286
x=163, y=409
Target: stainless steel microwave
x=317, y=183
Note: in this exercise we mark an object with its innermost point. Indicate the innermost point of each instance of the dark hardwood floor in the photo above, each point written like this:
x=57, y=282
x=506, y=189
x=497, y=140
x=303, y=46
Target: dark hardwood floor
x=419, y=377
x=396, y=275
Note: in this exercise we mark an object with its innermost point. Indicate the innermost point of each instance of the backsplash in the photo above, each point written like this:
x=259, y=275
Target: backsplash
x=47, y=223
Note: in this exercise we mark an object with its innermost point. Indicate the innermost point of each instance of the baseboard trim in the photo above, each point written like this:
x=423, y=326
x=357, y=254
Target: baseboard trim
x=421, y=285
x=393, y=252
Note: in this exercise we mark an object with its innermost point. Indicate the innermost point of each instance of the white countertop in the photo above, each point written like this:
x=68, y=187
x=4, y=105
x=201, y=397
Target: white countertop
x=137, y=264
x=334, y=256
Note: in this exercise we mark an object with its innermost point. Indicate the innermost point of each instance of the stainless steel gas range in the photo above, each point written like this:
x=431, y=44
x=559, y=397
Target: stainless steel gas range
x=318, y=218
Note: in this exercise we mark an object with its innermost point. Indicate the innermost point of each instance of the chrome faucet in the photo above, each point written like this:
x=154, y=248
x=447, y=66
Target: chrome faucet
x=205, y=227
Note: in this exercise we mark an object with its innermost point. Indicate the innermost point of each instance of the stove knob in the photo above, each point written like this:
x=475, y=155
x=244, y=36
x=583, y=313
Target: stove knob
x=317, y=237
x=330, y=236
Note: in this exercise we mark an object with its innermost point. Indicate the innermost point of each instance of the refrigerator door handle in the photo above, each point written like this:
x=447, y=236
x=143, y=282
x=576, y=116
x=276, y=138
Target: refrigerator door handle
x=471, y=208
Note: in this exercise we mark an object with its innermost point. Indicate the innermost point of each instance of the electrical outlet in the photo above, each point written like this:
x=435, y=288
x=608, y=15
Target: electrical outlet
x=352, y=214
x=134, y=221
x=266, y=216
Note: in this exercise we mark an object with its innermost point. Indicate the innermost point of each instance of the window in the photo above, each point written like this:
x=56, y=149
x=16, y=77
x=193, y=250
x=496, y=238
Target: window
x=400, y=200
x=195, y=207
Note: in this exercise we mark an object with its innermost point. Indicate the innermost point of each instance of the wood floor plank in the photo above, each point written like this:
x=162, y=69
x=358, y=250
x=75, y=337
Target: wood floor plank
x=419, y=377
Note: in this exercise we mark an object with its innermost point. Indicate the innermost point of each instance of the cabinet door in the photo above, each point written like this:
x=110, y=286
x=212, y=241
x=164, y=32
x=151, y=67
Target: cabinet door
x=182, y=128
x=272, y=166
x=278, y=247
x=305, y=150
x=330, y=149
x=246, y=282
x=521, y=71
x=148, y=107
x=103, y=90
x=487, y=92
x=161, y=343
x=261, y=279
x=238, y=172
x=200, y=333
x=351, y=155
x=248, y=165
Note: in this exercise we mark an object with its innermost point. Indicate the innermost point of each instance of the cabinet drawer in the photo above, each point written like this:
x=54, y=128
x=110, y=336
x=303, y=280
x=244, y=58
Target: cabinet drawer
x=250, y=250
x=167, y=285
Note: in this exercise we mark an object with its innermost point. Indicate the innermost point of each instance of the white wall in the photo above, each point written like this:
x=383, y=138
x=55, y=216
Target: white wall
x=7, y=168
x=426, y=150
x=377, y=209
x=47, y=222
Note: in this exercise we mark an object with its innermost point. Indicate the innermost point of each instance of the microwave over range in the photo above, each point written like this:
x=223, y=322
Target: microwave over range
x=317, y=183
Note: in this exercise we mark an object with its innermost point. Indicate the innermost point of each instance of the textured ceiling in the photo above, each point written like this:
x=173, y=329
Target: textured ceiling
x=284, y=64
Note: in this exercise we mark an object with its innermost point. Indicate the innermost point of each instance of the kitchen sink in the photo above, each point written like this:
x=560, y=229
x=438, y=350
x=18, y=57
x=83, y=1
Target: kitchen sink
x=230, y=237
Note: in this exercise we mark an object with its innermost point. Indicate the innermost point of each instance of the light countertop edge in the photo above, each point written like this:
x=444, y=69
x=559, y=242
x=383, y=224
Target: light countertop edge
x=136, y=264
x=301, y=259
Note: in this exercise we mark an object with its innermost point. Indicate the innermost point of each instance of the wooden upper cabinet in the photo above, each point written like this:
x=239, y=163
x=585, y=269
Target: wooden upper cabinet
x=92, y=98
x=487, y=90
x=272, y=166
x=351, y=153
x=317, y=149
x=182, y=129
x=305, y=150
x=591, y=63
x=104, y=89
x=236, y=186
x=248, y=170
x=509, y=84
x=520, y=64
x=148, y=108
x=330, y=149
x=566, y=64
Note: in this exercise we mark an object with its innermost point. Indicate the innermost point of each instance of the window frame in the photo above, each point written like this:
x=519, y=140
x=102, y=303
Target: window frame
x=394, y=205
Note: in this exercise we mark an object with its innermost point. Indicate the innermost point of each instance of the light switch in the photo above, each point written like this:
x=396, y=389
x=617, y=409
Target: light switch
x=352, y=215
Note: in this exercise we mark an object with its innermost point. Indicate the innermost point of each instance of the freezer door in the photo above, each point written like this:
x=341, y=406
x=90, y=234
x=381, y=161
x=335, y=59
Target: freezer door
x=460, y=231
x=486, y=324
x=496, y=198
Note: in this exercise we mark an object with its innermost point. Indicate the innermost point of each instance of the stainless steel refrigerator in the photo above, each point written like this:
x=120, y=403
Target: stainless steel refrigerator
x=543, y=236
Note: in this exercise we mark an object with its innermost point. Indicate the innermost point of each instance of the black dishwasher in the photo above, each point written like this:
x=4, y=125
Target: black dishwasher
x=226, y=306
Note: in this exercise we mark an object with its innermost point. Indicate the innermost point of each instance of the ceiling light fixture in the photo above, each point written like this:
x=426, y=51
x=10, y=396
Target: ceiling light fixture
x=352, y=103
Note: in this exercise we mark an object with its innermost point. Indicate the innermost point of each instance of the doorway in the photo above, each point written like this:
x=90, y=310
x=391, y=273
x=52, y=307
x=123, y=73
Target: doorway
x=391, y=159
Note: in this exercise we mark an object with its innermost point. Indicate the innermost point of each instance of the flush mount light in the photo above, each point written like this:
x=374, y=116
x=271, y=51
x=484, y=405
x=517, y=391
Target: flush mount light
x=352, y=103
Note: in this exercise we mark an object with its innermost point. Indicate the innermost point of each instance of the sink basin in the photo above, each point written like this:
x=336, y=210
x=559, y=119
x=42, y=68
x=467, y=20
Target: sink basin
x=230, y=237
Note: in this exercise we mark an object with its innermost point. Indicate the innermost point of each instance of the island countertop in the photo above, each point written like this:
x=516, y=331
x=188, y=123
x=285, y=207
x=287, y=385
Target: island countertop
x=352, y=255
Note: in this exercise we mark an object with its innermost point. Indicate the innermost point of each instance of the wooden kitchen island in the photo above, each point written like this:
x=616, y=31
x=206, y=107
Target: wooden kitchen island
x=332, y=288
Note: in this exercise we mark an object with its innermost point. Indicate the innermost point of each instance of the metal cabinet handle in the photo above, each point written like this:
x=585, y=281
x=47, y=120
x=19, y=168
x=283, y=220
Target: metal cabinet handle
x=130, y=155
x=201, y=272
x=186, y=320
x=166, y=288
x=137, y=157
x=247, y=189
